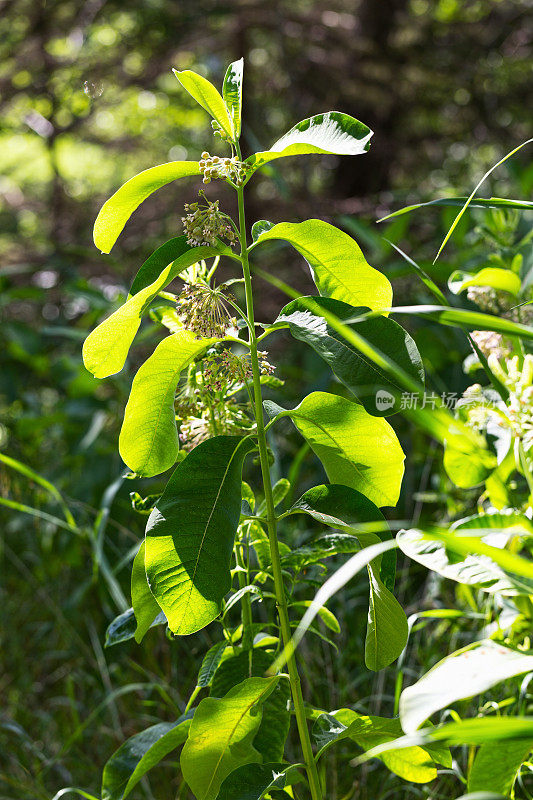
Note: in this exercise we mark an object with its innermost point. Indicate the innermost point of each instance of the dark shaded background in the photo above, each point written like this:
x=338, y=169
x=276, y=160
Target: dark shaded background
x=87, y=99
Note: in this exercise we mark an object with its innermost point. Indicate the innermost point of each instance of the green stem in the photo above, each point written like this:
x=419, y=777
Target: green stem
x=246, y=602
x=279, y=587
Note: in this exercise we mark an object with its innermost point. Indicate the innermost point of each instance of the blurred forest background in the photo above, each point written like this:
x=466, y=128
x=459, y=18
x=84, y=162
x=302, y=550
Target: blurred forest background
x=87, y=99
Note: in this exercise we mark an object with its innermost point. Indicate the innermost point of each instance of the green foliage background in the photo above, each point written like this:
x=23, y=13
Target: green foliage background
x=87, y=99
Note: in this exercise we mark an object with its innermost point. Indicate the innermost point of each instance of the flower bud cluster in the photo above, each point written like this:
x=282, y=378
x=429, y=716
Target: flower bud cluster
x=204, y=311
x=493, y=343
x=205, y=223
x=214, y=167
x=220, y=132
x=225, y=369
x=519, y=382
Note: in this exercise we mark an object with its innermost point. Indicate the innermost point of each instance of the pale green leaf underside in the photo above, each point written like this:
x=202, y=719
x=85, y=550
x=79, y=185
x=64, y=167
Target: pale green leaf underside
x=355, y=369
x=457, y=677
x=139, y=754
x=191, y=531
x=221, y=736
x=232, y=94
x=338, y=266
x=356, y=449
x=148, y=441
x=117, y=210
x=144, y=604
x=332, y=132
x=473, y=570
x=387, y=629
x=207, y=96
x=106, y=348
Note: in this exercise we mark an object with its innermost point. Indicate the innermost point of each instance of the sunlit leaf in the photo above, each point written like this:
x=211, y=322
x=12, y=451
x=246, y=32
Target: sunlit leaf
x=332, y=132
x=169, y=253
x=414, y=764
x=232, y=94
x=458, y=676
x=338, y=266
x=356, y=449
x=221, y=736
x=107, y=346
x=207, y=96
x=272, y=732
x=117, y=210
x=494, y=277
x=144, y=604
x=148, y=441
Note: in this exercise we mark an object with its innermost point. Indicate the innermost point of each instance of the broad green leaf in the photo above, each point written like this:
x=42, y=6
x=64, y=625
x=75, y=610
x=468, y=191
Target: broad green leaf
x=124, y=626
x=274, y=728
x=468, y=472
x=139, y=754
x=144, y=603
x=494, y=277
x=253, y=781
x=118, y=209
x=232, y=94
x=107, y=346
x=170, y=253
x=473, y=569
x=332, y=132
x=415, y=764
x=478, y=202
x=356, y=449
x=497, y=764
x=190, y=533
x=210, y=663
x=458, y=676
x=338, y=266
x=363, y=377
x=221, y=736
x=473, y=320
x=347, y=509
x=207, y=96
x=387, y=628
x=148, y=441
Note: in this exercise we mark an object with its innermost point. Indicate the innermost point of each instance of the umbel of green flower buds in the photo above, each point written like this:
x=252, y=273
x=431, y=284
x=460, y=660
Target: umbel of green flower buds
x=215, y=167
x=205, y=223
x=203, y=311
